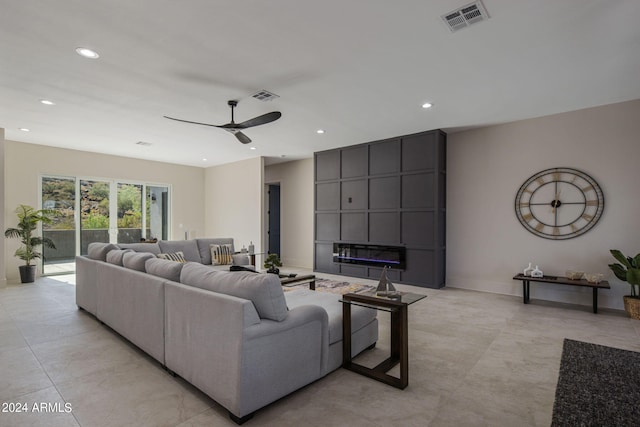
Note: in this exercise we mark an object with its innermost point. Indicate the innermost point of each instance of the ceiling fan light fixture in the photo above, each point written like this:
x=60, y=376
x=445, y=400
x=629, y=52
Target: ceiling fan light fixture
x=87, y=53
x=427, y=105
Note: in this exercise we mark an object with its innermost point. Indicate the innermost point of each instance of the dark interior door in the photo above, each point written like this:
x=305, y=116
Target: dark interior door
x=274, y=219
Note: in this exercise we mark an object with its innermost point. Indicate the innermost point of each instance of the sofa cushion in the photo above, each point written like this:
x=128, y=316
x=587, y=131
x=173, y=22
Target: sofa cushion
x=164, y=268
x=99, y=250
x=221, y=254
x=188, y=247
x=360, y=316
x=136, y=260
x=115, y=256
x=205, y=249
x=264, y=290
x=173, y=256
x=154, y=248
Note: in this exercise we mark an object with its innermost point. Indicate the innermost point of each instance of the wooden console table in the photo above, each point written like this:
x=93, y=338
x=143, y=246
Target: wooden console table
x=557, y=280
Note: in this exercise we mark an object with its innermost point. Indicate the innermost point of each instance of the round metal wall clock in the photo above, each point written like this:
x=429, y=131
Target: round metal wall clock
x=559, y=203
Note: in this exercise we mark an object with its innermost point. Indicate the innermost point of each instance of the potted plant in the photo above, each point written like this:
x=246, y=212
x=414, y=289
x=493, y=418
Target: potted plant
x=628, y=270
x=28, y=220
x=272, y=262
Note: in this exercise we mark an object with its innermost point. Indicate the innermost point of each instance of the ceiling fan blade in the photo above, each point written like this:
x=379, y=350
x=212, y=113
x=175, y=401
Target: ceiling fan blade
x=242, y=137
x=188, y=121
x=260, y=120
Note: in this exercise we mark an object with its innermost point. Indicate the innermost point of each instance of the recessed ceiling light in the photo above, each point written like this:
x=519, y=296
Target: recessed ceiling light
x=87, y=53
x=320, y=131
x=427, y=105
x=25, y=130
x=47, y=102
x=252, y=148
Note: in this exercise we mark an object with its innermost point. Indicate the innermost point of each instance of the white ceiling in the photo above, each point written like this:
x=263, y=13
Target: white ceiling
x=360, y=69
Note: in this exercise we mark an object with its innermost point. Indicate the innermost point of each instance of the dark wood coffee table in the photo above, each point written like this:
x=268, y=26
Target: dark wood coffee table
x=398, y=307
x=286, y=280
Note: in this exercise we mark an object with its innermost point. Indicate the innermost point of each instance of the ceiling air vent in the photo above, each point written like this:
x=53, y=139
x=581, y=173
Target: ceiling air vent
x=265, y=95
x=465, y=16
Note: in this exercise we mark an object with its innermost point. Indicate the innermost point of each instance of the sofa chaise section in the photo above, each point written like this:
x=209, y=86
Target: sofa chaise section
x=218, y=343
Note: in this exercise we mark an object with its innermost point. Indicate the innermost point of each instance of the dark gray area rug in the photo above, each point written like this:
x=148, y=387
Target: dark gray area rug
x=597, y=386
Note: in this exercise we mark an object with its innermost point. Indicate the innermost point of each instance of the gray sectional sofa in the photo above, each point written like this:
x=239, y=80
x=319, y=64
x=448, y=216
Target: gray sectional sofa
x=234, y=335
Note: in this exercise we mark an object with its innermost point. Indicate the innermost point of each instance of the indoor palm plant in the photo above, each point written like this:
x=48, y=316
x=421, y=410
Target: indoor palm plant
x=628, y=270
x=28, y=220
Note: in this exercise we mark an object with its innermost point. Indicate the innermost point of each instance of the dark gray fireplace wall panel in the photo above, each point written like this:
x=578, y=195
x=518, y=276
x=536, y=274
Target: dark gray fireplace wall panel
x=354, y=162
x=327, y=165
x=353, y=227
x=383, y=193
x=328, y=196
x=384, y=157
x=388, y=192
x=328, y=226
x=418, y=228
x=354, y=195
x=383, y=228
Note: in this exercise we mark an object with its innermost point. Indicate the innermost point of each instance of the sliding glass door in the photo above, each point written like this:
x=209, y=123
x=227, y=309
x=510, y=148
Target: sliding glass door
x=95, y=213
x=107, y=211
x=157, y=212
x=129, y=213
x=59, y=194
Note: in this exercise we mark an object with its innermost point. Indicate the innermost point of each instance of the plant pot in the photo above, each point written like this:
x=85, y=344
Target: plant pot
x=27, y=273
x=632, y=306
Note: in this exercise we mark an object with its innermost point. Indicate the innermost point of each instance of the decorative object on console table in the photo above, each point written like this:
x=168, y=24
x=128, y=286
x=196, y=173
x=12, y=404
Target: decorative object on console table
x=628, y=271
x=272, y=262
x=537, y=272
x=28, y=220
x=559, y=203
x=385, y=287
x=527, y=271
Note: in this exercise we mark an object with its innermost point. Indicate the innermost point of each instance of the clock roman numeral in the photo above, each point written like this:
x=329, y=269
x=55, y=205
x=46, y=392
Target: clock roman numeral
x=587, y=217
x=592, y=203
x=587, y=188
x=539, y=227
x=524, y=204
x=540, y=180
x=556, y=176
x=528, y=217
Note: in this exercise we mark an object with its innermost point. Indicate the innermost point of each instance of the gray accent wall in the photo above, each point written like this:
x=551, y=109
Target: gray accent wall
x=389, y=192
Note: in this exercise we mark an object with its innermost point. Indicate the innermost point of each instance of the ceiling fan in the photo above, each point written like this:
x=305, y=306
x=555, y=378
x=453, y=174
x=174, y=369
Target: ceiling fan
x=236, y=128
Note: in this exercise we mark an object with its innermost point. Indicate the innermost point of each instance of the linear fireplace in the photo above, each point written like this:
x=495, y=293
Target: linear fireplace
x=376, y=255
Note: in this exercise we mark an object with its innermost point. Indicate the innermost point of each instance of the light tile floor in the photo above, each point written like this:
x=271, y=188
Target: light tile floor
x=476, y=359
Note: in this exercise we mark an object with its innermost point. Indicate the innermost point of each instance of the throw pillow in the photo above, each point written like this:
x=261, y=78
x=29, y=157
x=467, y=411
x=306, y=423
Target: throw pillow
x=221, y=254
x=173, y=256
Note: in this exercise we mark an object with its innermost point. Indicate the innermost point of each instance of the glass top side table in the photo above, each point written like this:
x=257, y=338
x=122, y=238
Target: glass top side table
x=397, y=306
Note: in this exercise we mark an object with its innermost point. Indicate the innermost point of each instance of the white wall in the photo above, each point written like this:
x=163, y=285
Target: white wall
x=487, y=246
x=25, y=163
x=3, y=264
x=296, y=210
x=234, y=202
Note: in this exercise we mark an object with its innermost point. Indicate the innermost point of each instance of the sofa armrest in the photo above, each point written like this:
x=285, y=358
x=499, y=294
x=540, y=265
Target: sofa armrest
x=281, y=357
x=86, y=287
